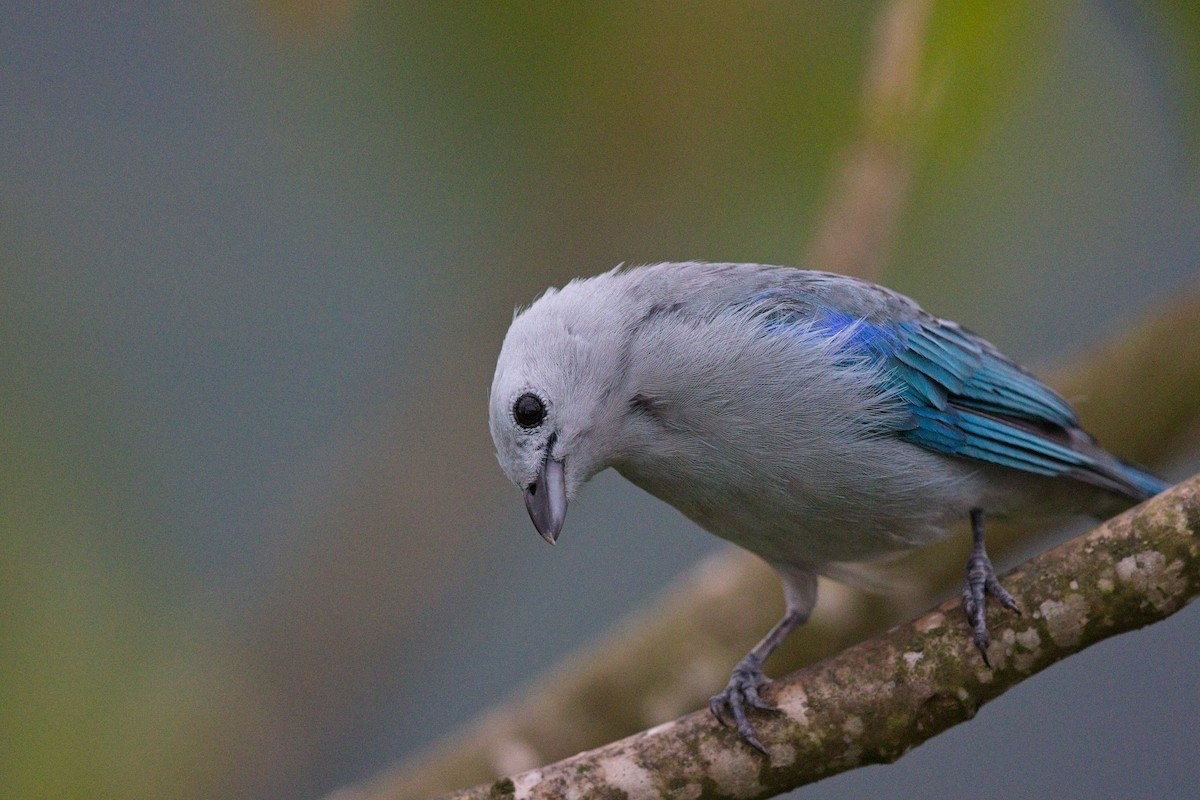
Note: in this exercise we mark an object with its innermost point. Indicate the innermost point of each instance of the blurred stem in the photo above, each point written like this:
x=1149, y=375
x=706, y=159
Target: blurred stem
x=876, y=701
x=855, y=232
x=668, y=659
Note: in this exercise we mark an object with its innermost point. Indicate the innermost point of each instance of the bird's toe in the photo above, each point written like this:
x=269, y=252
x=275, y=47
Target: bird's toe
x=739, y=694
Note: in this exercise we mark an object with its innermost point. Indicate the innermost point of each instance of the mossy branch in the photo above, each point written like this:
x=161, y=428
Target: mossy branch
x=872, y=703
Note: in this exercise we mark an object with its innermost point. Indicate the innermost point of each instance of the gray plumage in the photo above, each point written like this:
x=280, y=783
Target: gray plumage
x=808, y=417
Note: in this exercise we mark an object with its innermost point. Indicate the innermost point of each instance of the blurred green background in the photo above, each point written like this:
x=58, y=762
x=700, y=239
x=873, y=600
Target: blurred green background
x=257, y=262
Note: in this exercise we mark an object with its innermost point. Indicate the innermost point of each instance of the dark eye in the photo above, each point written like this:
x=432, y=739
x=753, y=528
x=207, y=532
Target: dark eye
x=529, y=411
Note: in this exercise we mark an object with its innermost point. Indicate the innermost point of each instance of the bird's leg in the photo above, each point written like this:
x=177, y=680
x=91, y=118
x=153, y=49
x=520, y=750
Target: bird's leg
x=800, y=592
x=982, y=581
x=742, y=689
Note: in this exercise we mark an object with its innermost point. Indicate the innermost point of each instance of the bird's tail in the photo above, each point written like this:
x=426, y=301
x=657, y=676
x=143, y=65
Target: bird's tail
x=1143, y=481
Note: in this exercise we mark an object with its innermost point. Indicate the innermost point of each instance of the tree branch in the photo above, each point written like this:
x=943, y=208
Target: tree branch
x=874, y=702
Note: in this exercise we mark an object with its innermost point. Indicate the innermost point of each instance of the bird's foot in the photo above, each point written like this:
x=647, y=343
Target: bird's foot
x=982, y=581
x=739, y=694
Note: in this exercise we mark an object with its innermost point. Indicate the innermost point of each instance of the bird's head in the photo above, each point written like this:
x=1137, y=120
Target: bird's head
x=551, y=410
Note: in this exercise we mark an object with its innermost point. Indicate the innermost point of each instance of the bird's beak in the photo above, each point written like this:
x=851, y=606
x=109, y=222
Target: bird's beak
x=546, y=499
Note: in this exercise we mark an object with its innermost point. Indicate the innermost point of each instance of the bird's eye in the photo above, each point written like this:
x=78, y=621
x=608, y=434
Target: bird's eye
x=529, y=411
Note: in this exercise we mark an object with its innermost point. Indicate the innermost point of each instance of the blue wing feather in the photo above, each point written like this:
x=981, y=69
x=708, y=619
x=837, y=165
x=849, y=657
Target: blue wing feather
x=965, y=398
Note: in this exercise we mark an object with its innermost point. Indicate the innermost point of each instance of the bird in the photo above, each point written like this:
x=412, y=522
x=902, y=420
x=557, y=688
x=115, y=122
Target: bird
x=811, y=418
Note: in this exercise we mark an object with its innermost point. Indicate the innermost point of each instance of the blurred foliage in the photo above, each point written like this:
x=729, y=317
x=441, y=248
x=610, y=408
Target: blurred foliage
x=525, y=144
x=979, y=58
x=1179, y=30
x=574, y=121
x=81, y=618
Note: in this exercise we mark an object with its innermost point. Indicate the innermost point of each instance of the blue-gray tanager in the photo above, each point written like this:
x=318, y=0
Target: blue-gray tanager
x=808, y=417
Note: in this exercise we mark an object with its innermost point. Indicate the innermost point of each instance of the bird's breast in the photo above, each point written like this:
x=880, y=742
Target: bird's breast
x=818, y=508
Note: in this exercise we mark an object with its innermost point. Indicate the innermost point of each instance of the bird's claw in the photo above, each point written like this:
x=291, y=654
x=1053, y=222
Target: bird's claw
x=981, y=582
x=742, y=692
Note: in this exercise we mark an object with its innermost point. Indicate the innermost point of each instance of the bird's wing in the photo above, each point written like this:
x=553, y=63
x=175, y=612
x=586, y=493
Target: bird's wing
x=964, y=397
